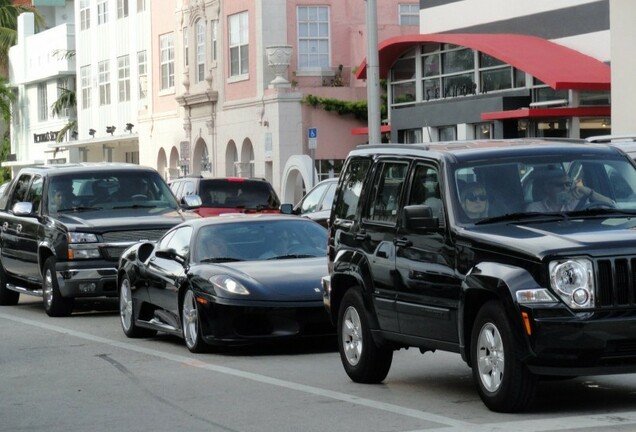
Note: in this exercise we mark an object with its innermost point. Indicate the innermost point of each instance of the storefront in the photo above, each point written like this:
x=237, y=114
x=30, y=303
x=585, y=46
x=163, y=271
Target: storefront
x=465, y=86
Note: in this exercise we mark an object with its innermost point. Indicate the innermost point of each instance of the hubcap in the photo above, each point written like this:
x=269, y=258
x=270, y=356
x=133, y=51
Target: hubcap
x=190, y=320
x=125, y=304
x=47, y=289
x=352, y=336
x=490, y=357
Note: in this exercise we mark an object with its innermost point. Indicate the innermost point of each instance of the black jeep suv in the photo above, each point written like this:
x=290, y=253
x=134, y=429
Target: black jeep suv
x=519, y=255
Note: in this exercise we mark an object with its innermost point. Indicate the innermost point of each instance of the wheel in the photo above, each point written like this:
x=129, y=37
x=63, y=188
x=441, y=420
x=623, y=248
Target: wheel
x=190, y=324
x=503, y=381
x=127, y=313
x=362, y=359
x=7, y=297
x=54, y=304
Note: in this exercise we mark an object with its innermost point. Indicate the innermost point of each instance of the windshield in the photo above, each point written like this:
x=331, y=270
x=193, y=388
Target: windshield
x=542, y=185
x=112, y=190
x=260, y=240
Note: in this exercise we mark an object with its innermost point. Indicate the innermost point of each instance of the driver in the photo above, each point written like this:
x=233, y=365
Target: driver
x=562, y=194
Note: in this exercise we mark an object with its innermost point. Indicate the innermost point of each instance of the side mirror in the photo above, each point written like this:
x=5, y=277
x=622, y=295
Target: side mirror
x=287, y=208
x=23, y=209
x=170, y=254
x=189, y=202
x=418, y=217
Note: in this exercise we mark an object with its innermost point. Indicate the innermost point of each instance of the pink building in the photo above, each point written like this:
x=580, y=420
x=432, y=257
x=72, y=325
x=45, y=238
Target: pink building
x=230, y=80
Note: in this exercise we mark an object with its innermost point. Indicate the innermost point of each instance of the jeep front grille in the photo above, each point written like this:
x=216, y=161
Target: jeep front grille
x=616, y=278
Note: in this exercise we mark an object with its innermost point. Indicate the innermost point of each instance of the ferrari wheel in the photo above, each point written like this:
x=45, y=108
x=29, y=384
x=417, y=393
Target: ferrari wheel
x=191, y=324
x=127, y=312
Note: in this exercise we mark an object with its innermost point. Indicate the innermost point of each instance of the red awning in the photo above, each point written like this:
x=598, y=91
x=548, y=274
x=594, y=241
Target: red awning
x=528, y=113
x=556, y=65
x=365, y=130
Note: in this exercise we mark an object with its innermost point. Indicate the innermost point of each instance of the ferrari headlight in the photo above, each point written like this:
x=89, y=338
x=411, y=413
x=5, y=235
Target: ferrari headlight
x=573, y=281
x=229, y=284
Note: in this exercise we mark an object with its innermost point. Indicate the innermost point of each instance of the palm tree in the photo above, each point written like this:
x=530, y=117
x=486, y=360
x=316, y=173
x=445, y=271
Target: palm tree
x=8, y=28
x=67, y=101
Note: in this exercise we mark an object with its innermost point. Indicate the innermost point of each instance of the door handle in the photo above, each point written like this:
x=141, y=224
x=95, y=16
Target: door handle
x=403, y=242
x=18, y=228
x=5, y=226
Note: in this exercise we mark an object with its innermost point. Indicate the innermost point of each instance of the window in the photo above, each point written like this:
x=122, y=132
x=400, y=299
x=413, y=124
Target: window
x=122, y=8
x=348, y=197
x=425, y=189
x=35, y=192
x=102, y=12
x=132, y=157
x=123, y=78
x=85, y=82
x=200, y=29
x=409, y=14
x=214, y=28
x=186, y=49
x=403, y=79
x=180, y=241
x=387, y=191
x=313, y=37
x=143, y=74
x=85, y=14
x=43, y=106
x=166, y=46
x=21, y=188
x=239, y=46
x=141, y=5
x=62, y=88
x=104, y=83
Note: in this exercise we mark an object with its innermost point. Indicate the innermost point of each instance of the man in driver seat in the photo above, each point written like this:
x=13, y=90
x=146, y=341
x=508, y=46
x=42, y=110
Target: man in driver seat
x=562, y=194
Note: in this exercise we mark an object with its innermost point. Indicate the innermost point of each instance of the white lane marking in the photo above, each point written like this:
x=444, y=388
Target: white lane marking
x=344, y=397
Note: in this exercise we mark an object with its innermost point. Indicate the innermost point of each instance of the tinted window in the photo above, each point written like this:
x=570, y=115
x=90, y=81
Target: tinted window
x=352, y=180
x=35, y=192
x=327, y=201
x=240, y=193
x=387, y=189
x=21, y=189
x=180, y=241
x=312, y=200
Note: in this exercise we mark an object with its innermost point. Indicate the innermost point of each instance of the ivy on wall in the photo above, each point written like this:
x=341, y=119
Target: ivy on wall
x=356, y=108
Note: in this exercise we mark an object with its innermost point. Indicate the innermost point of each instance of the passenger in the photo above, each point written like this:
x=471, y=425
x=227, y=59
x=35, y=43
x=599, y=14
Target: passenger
x=474, y=201
x=562, y=194
x=60, y=196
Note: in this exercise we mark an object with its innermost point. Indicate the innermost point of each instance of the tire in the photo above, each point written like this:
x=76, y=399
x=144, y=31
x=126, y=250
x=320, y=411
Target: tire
x=54, y=304
x=362, y=359
x=7, y=297
x=503, y=381
x=191, y=324
x=127, y=313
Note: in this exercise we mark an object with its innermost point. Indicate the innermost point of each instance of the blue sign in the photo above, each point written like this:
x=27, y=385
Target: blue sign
x=312, y=133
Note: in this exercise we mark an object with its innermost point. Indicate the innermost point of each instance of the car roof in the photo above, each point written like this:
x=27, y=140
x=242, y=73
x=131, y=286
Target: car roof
x=86, y=167
x=486, y=149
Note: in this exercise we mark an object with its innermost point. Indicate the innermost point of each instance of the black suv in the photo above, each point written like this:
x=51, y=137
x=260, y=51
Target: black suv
x=228, y=194
x=64, y=228
x=518, y=255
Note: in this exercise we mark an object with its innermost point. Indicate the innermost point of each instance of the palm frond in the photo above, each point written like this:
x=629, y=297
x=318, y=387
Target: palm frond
x=70, y=126
x=66, y=100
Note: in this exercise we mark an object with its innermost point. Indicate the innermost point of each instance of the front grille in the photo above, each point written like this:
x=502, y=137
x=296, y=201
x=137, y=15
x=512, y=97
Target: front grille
x=616, y=279
x=133, y=235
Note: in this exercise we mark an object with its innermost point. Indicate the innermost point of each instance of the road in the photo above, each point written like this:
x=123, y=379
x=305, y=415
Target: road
x=81, y=373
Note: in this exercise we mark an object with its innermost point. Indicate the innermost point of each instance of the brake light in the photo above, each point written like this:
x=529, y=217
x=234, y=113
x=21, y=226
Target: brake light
x=235, y=179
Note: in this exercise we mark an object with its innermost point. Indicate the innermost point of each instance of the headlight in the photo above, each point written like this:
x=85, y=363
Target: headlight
x=80, y=248
x=78, y=237
x=229, y=284
x=573, y=280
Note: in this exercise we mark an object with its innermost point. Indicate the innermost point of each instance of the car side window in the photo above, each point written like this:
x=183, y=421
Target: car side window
x=180, y=241
x=385, y=199
x=311, y=201
x=188, y=188
x=425, y=189
x=21, y=188
x=352, y=181
x=35, y=192
x=327, y=200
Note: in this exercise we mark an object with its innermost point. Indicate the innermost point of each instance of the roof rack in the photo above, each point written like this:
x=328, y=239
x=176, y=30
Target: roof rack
x=611, y=138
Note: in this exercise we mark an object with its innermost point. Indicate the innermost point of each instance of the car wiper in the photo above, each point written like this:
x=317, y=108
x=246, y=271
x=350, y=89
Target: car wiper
x=134, y=206
x=291, y=256
x=77, y=209
x=220, y=259
x=520, y=216
x=594, y=211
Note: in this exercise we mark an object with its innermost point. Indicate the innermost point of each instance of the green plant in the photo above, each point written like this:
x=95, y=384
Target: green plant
x=356, y=108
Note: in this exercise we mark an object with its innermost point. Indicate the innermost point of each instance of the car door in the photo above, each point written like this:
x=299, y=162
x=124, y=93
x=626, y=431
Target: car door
x=377, y=231
x=166, y=274
x=14, y=254
x=428, y=289
x=27, y=231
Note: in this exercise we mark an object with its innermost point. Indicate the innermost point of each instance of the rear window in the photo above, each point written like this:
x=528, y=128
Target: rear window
x=249, y=194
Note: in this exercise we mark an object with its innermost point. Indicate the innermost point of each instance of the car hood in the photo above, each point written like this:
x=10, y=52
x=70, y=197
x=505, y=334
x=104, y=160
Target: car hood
x=585, y=236
x=282, y=280
x=139, y=218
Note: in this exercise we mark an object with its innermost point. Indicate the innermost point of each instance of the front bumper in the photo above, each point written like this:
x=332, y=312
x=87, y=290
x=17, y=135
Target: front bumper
x=95, y=278
x=590, y=343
